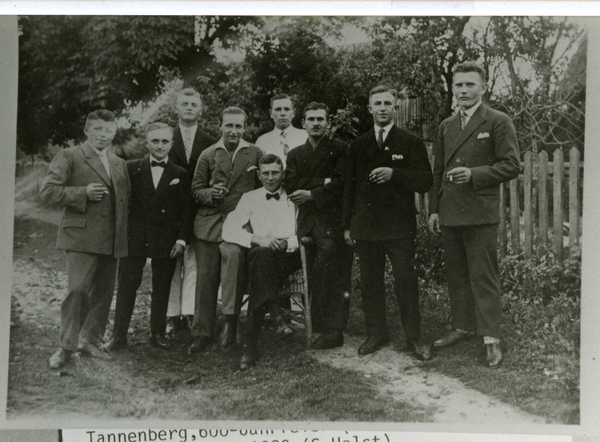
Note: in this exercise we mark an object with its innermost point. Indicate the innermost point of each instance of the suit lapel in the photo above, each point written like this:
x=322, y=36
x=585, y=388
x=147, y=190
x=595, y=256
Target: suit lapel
x=474, y=122
x=164, y=182
x=145, y=173
x=94, y=162
x=179, y=146
x=382, y=155
x=239, y=165
x=316, y=156
x=371, y=148
x=223, y=161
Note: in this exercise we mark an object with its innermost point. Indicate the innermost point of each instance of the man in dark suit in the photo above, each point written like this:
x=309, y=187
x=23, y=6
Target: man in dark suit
x=476, y=150
x=386, y=166
x=315, y=183
x=93, y=187
x=224, y=172
x=159, y=228
x=188, y=143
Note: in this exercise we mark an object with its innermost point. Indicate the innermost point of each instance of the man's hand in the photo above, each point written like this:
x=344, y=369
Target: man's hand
x=282, y=244
x=348, y=238
x=95, y=191
x=380, y=175
x=459, y=175
x=434, y=223
x=300, y=197
x=219, y=192
x=177, y=250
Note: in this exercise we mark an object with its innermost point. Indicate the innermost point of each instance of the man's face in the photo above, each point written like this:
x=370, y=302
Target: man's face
x=282, y=113
x=271, y=176
x=189, y=108
x=383, y=108
x=468, y=87
x=232, y=129
x=315, y=122
x=159, y=143
x=100, y=133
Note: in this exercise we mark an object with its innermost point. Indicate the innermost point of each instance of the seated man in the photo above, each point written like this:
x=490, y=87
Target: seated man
x=264, y=225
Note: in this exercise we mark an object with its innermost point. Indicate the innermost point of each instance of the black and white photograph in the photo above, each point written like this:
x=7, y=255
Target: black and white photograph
x=361, y=219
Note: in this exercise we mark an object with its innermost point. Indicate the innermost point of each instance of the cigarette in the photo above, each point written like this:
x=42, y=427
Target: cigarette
x=450, y=178
x=106, y=192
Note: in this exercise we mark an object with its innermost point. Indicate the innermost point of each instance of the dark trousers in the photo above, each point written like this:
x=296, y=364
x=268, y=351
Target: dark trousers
x=329, y=268
x=85, y=307
x=471, y=258
x=130, y=278
x=401, y=253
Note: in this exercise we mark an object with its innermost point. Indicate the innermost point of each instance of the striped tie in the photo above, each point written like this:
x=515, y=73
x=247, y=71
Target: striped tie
x=187, y=142
x=380, y=138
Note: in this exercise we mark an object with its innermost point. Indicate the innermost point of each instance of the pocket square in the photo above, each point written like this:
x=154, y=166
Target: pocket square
x=397, y=157
x=387, y=149
x=483, y=135
x=251, y=168
x=175, y=181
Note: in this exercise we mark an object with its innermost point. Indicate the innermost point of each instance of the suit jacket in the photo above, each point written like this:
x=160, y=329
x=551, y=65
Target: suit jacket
x=177, y=153
x=215, y=167
x=307, y=169
x=98, y=227
x=488, y=146
x=158, y=217
x=385, y=211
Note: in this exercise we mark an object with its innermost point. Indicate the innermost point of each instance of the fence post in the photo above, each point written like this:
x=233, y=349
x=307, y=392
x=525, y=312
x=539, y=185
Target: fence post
x=557, y=204
x=502, y=226
x=573, y=199
x=528, y=209
x=543, y=203
x=514, y=217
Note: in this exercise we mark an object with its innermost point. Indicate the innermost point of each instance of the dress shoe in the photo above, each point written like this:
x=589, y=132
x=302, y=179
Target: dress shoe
x=282, y=329
x=249, y=356
x=372, y=344
x=188, y=321
x=60, y=358
x=93, y=351
x=228, y=333
x=494, y=355
x=453, y=337
x=420, y=348
x=173, y=325
x=200, y=343
x=116, y=343
x=158, y=340
x=331, y=339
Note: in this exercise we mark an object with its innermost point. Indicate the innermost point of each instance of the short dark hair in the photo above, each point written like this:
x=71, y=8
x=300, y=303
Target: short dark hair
x=282, y=97
x=100, y=114
x=383, y=88
x=234, y=110
x=156, y=125
x=270, y=159
x=189, y=92
x=317, y=106
x=470, y=66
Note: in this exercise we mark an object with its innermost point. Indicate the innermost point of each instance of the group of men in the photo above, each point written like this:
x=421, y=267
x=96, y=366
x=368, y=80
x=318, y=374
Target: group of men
x=226, y=214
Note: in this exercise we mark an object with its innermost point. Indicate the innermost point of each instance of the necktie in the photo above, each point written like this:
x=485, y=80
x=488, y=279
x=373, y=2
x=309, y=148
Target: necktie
x=273, y=195
x=283, y=142
x=463, y=119
x=104, y=159
x=380, y=138
x=158, y=163
x=187, y=142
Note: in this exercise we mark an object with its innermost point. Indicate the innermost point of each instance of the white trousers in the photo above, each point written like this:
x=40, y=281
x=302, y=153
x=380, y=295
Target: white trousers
x=183, y=285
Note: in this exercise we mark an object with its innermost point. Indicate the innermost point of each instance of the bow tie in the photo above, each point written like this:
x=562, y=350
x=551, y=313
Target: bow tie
x=273, y=195
x=158, y=163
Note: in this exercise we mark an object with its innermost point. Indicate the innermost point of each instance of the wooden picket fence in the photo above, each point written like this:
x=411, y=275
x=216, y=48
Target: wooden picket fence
x=529, y=221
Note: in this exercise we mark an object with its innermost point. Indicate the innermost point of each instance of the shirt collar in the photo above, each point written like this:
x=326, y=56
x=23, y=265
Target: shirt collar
x=101, y=153
x=470, y=111
x=192, y=129
x=166, y=160
x=385, y=128
x=241, y=145
x=280, y=191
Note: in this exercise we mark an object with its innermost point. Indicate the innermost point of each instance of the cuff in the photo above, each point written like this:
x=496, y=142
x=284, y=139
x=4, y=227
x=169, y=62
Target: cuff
x=182, y=242
x=292, y=243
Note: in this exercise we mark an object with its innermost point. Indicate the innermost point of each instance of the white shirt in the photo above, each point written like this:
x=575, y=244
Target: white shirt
x=103, y=154
x=386, y=131
x=221, y=145
x=268, y=217
x=157, y=171
x=469, y=112
x=271, y=141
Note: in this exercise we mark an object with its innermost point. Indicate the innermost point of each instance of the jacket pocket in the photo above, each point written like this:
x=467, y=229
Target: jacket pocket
x=73, y=222
x=487, y=191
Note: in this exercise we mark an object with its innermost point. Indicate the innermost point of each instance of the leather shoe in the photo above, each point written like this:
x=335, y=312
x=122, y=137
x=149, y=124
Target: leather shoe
x=453, y=337
x=188, y=321
x=330, y=339
x=228, y=333
x=282, y=329
x=420, y=348
x=158, y=340
x=173, y=325
x=372, y=344
x=249, y=356
x=116, y=343
x=200, y=343
x=494, y=355
x=60, y=358
x=93, y=351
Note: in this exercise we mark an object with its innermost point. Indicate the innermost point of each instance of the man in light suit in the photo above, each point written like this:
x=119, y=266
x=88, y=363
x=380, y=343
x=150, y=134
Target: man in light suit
x=159, y=228
x=284, y=136
x=93, y=187
x=386, y=166
x=189, y=140
x=476, y=150
x=224, y=172
x=315, y=182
